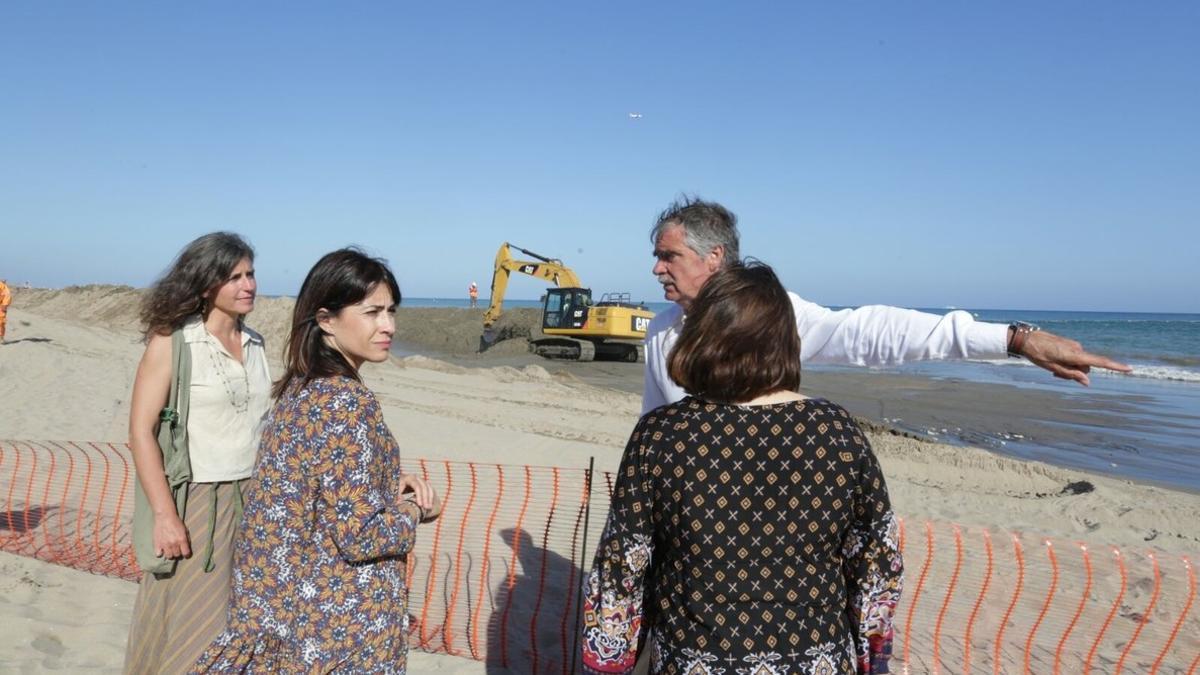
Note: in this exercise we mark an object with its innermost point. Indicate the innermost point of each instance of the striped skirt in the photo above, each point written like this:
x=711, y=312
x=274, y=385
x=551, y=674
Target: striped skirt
x=176, y=617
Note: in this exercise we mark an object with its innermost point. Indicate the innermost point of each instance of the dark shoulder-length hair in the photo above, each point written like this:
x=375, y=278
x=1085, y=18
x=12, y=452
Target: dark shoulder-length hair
x=338, y=280
x=739, y=340
x=201, y=266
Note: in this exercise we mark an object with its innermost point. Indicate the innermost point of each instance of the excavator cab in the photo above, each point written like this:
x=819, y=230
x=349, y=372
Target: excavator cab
x=566, y=307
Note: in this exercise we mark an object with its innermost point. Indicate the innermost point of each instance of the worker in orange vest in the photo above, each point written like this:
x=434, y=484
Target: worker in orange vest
x=5, y=301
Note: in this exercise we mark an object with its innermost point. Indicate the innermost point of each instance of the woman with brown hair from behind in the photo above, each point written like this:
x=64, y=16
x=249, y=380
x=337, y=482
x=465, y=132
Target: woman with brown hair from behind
x=750, y=527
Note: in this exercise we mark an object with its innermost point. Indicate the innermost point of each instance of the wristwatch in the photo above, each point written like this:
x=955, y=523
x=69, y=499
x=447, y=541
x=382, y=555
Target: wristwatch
x=1019, y=331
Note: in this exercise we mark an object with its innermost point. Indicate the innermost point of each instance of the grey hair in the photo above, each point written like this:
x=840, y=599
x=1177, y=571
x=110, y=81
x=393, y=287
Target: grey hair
x=706, y=225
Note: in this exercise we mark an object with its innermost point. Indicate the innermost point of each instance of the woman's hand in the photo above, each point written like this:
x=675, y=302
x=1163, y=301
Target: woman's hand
x=170, y=537
x=419, y=490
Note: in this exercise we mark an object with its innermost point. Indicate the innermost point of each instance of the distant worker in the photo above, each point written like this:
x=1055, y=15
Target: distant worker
x=693, y=239
x=5, y=301
x=473, y=291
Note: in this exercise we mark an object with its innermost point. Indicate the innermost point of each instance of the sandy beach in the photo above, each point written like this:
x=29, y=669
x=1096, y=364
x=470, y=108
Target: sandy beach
x=68, y=369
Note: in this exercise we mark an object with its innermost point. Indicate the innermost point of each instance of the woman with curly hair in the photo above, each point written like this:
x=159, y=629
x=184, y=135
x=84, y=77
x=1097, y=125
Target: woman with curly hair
x=198, y=305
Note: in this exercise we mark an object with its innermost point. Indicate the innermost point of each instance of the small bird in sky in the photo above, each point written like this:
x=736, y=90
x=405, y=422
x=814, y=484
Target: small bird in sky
x=635, y=116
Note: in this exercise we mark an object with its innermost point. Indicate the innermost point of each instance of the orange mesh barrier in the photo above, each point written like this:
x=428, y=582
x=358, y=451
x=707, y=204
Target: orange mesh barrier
x=1191, y=596
x=1083, y=600
x=1087, y=667
x=1029, y=642
x=497, y=578
x=1019, y=558
x=68, y=503
x=983, y=588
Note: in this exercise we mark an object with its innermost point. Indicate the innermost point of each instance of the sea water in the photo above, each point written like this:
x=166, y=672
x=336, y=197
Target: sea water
x=1144, y=425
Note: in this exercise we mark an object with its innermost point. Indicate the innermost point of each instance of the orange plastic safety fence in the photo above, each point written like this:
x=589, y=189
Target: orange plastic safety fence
x=1143, y=618
x=447, y=632
x=1083, y=600
x=68, y=503
x=1045, y=606
x=1087, y=666
x=983, y=588
x=431, y=578
x=915, y=598
x=476, y=652
x=999, y=643
x=1191, y=573
x=497, y=578
x=937, y=629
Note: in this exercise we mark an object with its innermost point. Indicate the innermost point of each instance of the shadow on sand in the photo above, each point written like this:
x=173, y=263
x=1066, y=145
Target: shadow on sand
x=26, y=520
x=29, y=339
x=534, y=626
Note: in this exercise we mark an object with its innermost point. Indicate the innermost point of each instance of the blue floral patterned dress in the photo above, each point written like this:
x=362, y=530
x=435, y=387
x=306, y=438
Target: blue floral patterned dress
x=318, y=579
x=745, y=540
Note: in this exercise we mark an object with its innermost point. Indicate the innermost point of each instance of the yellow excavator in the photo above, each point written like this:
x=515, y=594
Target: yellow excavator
x=573, y=326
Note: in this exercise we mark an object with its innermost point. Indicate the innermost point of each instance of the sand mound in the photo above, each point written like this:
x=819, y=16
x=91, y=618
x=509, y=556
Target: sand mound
x=457, y=331
x=448, y=331
x=102, y=304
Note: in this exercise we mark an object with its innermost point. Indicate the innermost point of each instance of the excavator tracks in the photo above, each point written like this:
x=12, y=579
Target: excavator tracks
x=573, y=349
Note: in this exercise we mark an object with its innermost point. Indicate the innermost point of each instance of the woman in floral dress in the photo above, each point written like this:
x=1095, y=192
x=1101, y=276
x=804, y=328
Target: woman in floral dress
x=318, y=583
x=750, y=531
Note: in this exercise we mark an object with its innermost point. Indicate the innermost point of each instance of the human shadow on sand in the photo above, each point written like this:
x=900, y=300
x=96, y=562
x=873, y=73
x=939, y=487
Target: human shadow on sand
x=534, y=622
x=24, y=520
x=28, y=339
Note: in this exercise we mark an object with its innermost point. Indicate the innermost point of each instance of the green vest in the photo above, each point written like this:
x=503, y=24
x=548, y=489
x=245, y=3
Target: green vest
x=177, y=466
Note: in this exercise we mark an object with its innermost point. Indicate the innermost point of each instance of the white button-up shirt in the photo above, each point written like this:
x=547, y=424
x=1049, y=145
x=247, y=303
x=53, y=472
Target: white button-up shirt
x=874, y=335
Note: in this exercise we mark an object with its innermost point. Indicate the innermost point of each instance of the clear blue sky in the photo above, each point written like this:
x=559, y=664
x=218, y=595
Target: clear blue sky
x=1029, y=155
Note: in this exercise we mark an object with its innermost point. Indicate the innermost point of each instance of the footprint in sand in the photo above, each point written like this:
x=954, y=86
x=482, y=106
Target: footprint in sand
x=49, y=645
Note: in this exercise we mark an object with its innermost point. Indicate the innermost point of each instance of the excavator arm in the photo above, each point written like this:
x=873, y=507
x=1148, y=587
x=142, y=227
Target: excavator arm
x=548, y=269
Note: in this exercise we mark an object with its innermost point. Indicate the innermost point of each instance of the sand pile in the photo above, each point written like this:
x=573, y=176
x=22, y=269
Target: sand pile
x=447, y=331
x=102, y=304
x=456, y=332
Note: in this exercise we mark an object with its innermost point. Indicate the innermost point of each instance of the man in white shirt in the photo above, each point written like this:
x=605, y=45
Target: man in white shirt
x=693, y=239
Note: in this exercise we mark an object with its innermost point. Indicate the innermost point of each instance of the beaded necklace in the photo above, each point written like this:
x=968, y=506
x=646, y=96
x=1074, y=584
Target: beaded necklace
x=217, y=358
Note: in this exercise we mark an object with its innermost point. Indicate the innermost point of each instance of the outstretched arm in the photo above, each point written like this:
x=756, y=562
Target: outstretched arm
x=877, y=335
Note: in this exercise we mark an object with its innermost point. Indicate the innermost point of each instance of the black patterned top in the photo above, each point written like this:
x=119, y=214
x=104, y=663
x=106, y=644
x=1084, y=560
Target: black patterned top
x=746, y=539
